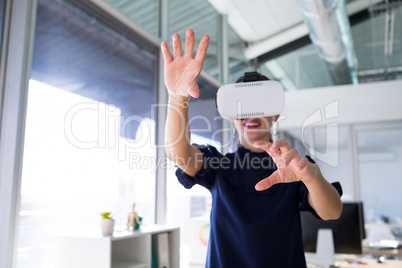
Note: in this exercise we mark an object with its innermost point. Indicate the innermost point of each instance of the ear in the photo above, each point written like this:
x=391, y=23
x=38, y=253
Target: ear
x=276, y=117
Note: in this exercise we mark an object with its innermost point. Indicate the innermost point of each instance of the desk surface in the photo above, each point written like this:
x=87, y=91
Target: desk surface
x=363, y=263
x=352, y=261
x=380, y=252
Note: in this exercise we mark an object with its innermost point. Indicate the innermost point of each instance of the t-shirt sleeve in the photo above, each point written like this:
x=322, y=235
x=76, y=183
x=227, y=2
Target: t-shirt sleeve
x=303, y=203
x=207, y=175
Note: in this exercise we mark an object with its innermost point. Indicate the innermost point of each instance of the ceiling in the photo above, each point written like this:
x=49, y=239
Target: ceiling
x=269, y=24
x=257, y=20
x=272, y=36
x=272, y=28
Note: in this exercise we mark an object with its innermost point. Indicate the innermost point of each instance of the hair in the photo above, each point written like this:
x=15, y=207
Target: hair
x=259, y=78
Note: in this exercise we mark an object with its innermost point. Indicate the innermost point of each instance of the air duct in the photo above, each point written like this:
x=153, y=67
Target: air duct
x=329, y=29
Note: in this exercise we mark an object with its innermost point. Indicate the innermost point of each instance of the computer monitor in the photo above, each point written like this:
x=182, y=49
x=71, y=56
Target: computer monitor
x=348, y=230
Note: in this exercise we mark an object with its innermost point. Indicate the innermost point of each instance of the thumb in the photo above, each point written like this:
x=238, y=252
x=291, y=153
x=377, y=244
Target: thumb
x=194, y=91
x=268, y=182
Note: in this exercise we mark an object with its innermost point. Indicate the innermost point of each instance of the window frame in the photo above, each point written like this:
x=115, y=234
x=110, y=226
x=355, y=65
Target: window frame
x=17, y=60
x=16, y=63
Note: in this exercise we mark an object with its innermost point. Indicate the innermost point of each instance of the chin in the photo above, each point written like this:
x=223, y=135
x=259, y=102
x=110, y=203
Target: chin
x=254, y=138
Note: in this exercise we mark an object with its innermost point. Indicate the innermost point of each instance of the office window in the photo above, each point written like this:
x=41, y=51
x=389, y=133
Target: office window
x=300, y=68
x=143, y=12
x=187, y=208
x=2, y=16
x=198, y=15
x=238, y=65
x=377, y=41
x=89, y=141
x=203, y=19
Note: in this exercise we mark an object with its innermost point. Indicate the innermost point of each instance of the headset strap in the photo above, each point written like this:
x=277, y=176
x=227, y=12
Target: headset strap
x=250, y=76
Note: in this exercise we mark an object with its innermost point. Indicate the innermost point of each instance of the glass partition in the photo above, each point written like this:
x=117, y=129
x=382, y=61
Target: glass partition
x=379, y=161
x=301, y=68
x=190, y=208
x=238, y=65
x=377, y=46
x=203, y=19
x=143, y=12
x=90, y=129
x=2, y=17
x=379, y=149
x=377, y=43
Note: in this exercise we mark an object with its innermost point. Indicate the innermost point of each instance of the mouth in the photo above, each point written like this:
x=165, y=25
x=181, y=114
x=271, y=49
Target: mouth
x=251, y=124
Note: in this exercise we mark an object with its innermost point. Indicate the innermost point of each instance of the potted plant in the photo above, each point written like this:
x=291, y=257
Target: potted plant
x=107, y=223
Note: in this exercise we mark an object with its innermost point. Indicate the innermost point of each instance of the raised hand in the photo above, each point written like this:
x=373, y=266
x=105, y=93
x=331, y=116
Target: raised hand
x=291, y=167
x=182, y=71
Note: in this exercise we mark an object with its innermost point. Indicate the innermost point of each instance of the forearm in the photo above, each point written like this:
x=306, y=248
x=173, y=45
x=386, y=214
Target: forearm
x=323, y=197
x=177, y=136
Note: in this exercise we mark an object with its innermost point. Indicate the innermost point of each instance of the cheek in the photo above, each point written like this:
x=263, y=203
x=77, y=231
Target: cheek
x=266, y=123
x=237, y=124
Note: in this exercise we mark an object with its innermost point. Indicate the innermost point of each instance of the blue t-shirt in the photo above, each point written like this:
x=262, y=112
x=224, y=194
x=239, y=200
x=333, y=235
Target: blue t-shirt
x=250, y=229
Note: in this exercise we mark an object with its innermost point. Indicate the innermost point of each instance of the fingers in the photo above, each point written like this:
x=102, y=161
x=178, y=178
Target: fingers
x=302, y=163
x=277, y=148
x=268, y=182
x=177, y=45
x=202, y=48
x=292, y=155
x=167, y=56
x=280, y=151
x=281, y=144
x=189, y=48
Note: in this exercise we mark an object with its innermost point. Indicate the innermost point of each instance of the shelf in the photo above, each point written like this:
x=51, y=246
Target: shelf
x=131, y=249
x=129, y=264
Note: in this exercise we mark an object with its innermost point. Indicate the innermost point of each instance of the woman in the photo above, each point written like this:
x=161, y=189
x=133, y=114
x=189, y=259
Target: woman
x=255, y=219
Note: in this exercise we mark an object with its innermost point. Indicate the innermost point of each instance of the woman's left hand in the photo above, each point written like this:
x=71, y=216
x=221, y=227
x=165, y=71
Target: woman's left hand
x=291, y=167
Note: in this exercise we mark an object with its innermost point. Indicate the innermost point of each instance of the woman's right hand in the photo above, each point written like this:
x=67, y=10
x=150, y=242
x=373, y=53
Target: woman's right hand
x=182, y=72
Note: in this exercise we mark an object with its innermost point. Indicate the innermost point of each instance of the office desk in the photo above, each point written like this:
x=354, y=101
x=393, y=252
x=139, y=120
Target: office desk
x=380, y=252
x=369, y=263
x=352, y=261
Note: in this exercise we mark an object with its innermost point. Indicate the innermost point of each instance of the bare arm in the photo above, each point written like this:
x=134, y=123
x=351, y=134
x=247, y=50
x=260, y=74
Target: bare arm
x=323, y=197
x=181, y=77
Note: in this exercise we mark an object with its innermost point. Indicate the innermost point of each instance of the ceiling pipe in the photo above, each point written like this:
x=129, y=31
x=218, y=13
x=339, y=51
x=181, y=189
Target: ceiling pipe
x=329, y=30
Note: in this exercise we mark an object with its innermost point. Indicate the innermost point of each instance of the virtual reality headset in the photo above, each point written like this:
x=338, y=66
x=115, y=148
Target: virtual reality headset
x=251, y=98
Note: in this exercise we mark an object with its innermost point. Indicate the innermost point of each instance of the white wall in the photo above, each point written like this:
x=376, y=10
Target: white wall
x=372, y=102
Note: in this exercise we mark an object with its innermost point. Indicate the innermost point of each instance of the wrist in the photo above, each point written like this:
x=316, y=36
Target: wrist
x=314, y=176
x=181, y=100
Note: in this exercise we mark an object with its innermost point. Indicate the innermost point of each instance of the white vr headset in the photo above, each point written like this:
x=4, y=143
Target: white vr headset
x=251, y=98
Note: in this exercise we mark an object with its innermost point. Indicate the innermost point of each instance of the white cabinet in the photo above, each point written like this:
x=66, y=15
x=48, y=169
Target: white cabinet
x=125, y=249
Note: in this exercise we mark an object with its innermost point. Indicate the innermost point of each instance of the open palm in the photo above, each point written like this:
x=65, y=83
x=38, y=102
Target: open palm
x=182, y=72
